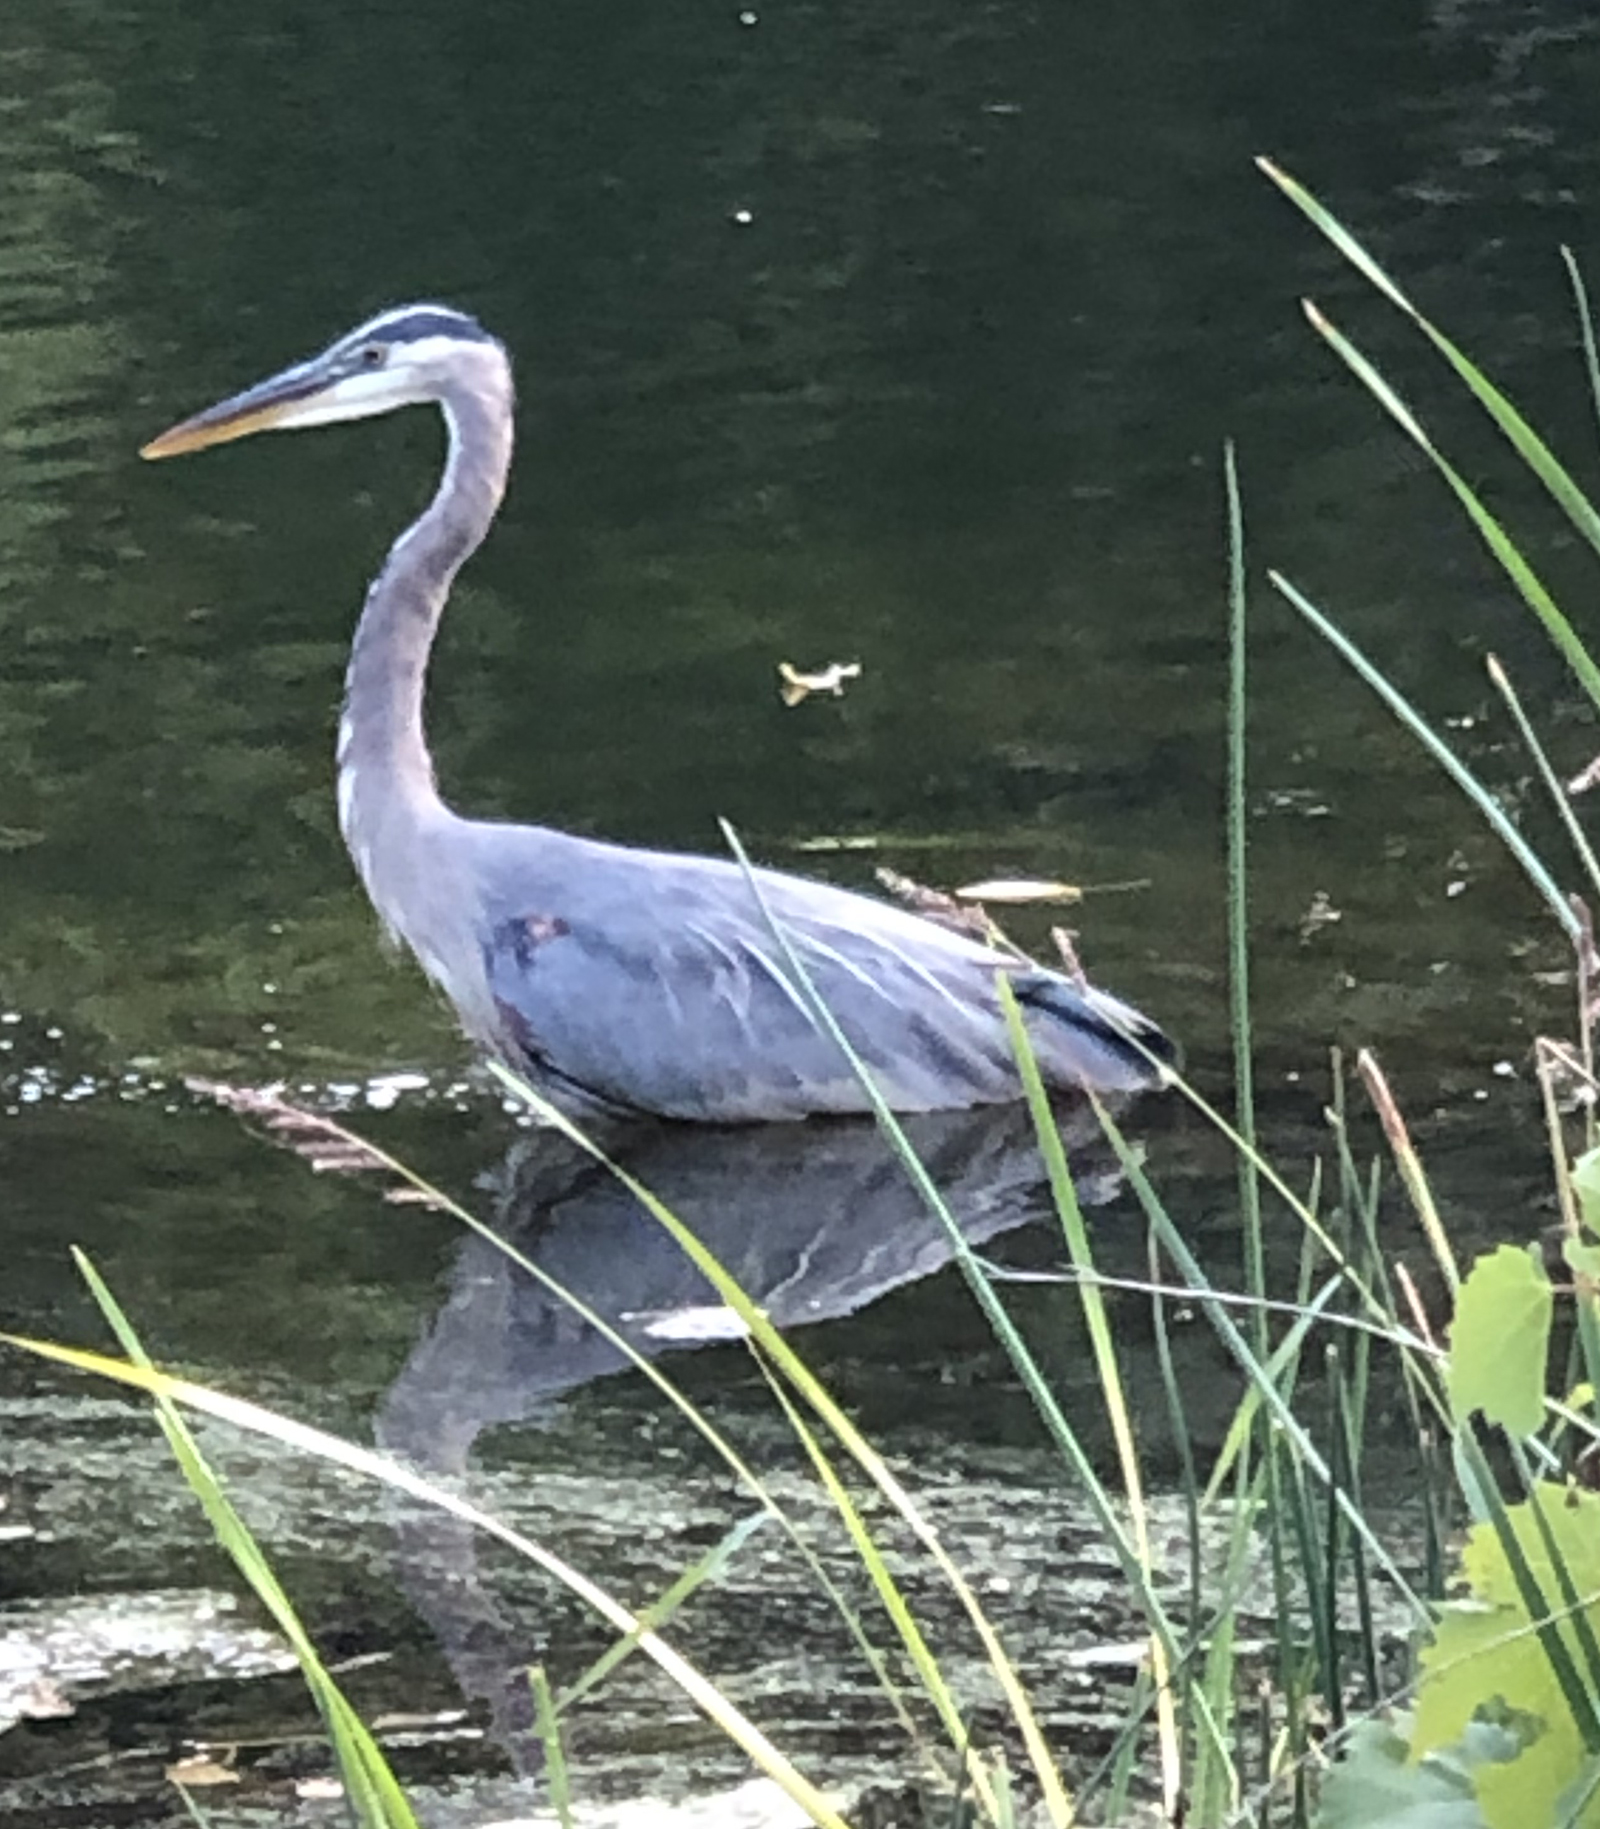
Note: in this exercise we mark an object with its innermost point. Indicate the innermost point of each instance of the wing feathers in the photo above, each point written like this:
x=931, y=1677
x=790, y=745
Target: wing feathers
x=665, y=991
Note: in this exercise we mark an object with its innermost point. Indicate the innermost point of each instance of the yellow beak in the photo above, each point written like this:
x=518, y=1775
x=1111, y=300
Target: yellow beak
x=257, y=409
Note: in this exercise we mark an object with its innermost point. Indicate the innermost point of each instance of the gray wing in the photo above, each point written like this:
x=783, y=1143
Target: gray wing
x=653, y=982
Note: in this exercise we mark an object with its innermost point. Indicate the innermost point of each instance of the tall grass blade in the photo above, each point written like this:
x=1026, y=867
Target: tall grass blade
x=1305, y=1450
x=191, y=1809
x=966, y=1259
x=545, y=1719
x=1478, y=1477
x=1239, y=900
x=1112, y=1780
x=1304, y=1214
x=1249, y=1179
x=1533, y=451
x=1580, y=297
x=1408, y=1164
x=1458, y=772
x=1279, y=1367
x=799, y=1376
x=280, y=1115
x=1214, y=1795
x=371, y=1787
x=305, y=1439
x=1529, y=586
x=653, y=1618
x=1178, y=1422
x=1338, y=234
x=1559, y=797
x=1092, y=1300
x=890, y=1597
x=1575, y=1606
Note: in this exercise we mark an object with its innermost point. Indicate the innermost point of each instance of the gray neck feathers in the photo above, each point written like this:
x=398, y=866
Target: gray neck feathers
x=386, y=781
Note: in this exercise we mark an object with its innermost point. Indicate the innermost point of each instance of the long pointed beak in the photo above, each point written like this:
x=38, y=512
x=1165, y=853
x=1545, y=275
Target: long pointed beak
x=257, y=409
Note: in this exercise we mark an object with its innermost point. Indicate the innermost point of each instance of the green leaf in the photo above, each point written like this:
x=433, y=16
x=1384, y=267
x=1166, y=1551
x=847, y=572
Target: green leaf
x=1577, y=1804
x=1500, y=1341
x=1487, y=1662
x=1586, y=1185
x=1376, y=1785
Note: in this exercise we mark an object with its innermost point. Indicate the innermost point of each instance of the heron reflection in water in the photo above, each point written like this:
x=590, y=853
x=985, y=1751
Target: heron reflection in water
x=812, y=1221
x=815, y=1221
x=619, y=979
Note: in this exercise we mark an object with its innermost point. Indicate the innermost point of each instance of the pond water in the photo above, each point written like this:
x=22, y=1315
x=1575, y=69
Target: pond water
x=907, y=336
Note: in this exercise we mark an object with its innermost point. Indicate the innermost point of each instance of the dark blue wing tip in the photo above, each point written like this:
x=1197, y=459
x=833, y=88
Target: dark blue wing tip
x=1127, y=1032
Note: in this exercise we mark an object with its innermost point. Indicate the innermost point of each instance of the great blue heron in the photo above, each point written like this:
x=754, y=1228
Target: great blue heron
x=624, y=979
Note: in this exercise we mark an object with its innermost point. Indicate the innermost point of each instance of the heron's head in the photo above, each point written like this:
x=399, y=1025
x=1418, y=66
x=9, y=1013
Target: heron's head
x=413, y=354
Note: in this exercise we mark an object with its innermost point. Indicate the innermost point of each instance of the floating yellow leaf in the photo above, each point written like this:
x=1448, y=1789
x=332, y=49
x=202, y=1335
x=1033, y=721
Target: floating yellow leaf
x=794, y=685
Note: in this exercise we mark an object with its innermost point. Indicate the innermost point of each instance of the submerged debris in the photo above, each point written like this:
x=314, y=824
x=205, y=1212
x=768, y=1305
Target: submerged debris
x=199, y=1769
x=1319, y=914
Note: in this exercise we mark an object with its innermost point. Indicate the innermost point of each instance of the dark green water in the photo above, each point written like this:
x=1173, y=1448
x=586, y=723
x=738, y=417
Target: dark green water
x=909, y=336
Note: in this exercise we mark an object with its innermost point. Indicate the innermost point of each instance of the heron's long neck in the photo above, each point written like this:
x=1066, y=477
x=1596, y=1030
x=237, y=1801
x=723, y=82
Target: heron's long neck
x=386, y=781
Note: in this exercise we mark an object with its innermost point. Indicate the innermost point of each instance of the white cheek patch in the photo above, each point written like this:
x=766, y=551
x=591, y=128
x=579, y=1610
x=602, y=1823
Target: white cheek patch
x=361, y=396
x=424, y=353
x=410, y=377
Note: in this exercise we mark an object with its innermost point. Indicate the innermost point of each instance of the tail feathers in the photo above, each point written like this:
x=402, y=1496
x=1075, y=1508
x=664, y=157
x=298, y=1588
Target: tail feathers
x=1095, y=1042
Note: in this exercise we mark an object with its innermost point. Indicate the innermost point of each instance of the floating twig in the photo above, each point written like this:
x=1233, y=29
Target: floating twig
x=935, y=904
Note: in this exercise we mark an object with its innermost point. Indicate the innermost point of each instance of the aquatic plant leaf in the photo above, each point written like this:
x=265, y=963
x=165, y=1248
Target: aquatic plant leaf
x=1377, y=1785
x=1500, y=1341
x=1586, y=1185
x=1486, y=1659
x=1486, y=1662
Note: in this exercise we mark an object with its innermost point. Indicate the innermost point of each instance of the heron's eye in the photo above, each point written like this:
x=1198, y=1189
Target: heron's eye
x=374, y=356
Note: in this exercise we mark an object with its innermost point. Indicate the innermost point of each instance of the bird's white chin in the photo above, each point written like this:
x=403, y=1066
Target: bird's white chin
x=361, y=396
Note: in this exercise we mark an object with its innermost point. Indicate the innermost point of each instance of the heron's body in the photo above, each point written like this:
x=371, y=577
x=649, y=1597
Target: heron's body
x=630, y=979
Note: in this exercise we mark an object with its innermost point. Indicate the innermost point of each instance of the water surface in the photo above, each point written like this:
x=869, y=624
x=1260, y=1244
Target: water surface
x=908, y=336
